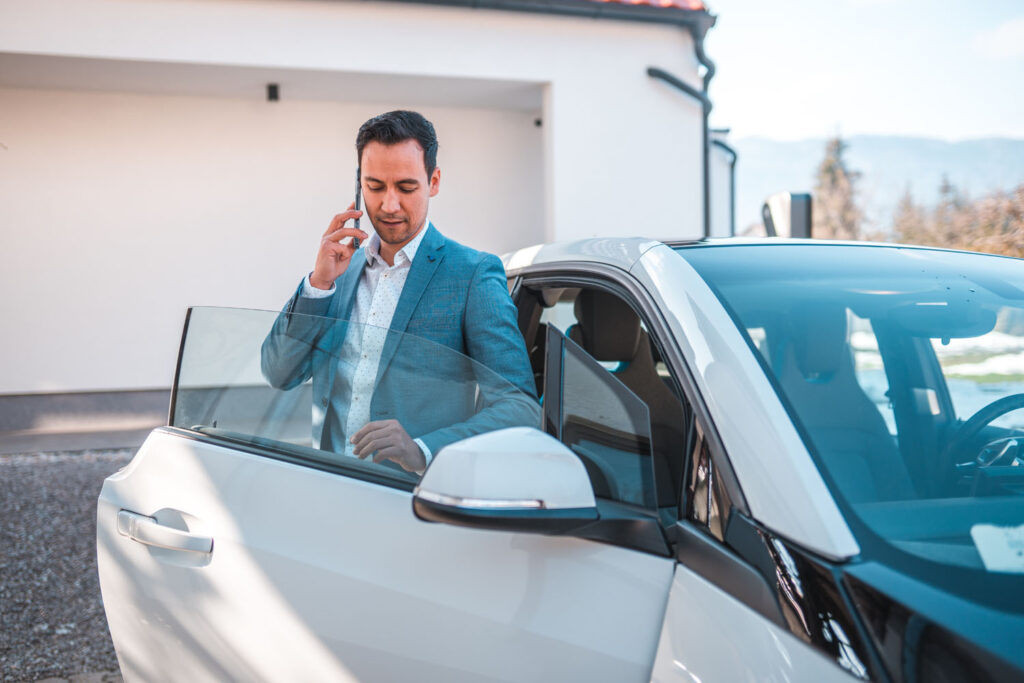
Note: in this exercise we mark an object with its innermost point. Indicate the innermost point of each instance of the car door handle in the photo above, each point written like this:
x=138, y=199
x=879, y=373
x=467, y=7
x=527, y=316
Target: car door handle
x=148, y=531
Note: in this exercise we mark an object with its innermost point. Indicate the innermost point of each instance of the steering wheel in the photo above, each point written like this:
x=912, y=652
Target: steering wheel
x=1001, y=451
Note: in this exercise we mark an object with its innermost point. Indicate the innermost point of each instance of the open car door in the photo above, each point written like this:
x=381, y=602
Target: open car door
x=234, y=547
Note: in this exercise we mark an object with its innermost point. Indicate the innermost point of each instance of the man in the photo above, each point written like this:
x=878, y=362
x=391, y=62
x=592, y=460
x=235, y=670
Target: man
x=377, y=392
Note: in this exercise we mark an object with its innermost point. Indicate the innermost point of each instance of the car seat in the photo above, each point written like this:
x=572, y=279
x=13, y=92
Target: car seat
x=818, y=377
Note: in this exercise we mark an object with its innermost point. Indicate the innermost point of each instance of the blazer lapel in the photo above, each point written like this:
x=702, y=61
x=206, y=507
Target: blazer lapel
x=428, y=258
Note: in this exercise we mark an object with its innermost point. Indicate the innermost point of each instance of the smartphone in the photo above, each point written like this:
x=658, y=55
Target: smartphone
x=359, y=197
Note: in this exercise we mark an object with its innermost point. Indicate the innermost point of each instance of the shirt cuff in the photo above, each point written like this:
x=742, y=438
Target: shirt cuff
x=427, y=455
x=312, y=292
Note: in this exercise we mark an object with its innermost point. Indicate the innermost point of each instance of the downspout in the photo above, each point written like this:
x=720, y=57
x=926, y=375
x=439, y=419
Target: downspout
x=709, y=73
x=698, y=33
x=732, y=182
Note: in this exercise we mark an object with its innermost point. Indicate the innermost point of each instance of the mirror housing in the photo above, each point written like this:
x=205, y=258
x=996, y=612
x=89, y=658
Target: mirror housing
x=949, y=319
x=787, y=214
x=515, y=479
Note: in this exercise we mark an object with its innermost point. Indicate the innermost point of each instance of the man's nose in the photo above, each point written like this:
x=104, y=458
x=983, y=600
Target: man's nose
x=391, y=204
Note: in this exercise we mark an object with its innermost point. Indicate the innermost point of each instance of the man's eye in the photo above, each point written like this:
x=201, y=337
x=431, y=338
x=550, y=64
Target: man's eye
x=407, y=190
x=375, y=188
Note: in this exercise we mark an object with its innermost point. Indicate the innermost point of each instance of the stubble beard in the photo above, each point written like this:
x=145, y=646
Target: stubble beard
x=387, y=235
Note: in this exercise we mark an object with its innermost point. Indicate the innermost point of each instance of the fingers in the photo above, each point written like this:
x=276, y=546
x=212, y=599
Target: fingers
x=342, y=233
x=388, y=440
x=339, y=251
x=373, y=436
x=340, y=219
x=371, y=446
x=369, y=427
x=391, y=453
x=336, y=249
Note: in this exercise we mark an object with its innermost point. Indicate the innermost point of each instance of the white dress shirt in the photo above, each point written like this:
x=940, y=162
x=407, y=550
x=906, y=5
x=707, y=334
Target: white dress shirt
x=380, y=286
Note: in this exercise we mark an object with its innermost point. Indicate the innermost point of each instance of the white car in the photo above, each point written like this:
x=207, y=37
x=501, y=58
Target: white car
x=752, y=461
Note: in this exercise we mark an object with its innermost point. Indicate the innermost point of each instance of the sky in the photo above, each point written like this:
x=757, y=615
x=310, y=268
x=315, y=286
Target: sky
x=811, y=68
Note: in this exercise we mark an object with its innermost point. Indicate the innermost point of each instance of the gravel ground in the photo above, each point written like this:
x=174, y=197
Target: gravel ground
x=51, y=617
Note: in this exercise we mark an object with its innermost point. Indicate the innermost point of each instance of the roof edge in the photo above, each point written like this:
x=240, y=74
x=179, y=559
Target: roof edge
x=696, y=21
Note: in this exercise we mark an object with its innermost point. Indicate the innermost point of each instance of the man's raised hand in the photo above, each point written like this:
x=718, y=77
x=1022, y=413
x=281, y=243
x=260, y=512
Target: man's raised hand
x=332, y=258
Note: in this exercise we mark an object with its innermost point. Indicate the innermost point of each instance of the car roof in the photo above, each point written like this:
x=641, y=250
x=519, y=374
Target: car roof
x=623, y=252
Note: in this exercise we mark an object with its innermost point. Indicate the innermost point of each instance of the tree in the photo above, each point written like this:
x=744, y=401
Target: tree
x=908, y=222
x=836, y=214
x=994, y=223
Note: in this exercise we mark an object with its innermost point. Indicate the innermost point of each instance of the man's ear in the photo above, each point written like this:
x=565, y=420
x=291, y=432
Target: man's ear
x=435, y=181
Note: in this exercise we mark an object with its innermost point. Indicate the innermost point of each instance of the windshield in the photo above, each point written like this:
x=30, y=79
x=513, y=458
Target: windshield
x=320, y=390
x=904, y=371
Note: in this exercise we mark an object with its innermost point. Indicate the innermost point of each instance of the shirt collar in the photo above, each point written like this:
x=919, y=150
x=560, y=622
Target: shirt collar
x=408, y=252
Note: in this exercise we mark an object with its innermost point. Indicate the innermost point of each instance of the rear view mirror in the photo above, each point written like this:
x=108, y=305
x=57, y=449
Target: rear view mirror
x=516, y=479
x=943, y=320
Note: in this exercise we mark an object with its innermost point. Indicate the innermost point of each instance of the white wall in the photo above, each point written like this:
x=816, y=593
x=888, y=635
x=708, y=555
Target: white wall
x=117, y=210
x=623, y=150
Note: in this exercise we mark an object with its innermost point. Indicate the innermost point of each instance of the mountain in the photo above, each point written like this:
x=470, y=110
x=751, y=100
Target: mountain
x=889, y=165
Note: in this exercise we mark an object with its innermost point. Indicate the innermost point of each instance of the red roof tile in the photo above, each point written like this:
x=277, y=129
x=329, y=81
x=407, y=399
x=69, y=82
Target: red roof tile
x=678, y=4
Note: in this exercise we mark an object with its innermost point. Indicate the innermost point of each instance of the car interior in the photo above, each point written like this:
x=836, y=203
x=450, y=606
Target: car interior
x=902, y=479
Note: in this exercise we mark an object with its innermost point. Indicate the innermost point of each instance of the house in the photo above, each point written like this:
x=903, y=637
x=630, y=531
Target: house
x=158, y=154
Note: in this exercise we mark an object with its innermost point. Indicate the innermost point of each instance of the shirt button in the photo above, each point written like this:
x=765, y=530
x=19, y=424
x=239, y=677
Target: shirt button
x=324, y=402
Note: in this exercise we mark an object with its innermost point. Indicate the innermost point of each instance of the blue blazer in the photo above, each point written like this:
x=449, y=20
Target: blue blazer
x=454, y=363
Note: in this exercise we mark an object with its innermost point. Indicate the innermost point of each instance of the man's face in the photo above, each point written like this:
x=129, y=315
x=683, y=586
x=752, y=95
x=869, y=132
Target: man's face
x=396, y=189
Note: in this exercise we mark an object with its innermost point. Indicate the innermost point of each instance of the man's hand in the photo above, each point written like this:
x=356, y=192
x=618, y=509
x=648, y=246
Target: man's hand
x=388, y=440
x=332, y=258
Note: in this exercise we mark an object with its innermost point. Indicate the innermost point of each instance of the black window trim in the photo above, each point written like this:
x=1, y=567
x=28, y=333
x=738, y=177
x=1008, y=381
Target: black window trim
x=177, y=368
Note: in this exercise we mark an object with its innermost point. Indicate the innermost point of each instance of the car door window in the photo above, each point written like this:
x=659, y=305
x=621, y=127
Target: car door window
x=613, y=336
x=602, y=421
x=299, y=387
x=708, y=499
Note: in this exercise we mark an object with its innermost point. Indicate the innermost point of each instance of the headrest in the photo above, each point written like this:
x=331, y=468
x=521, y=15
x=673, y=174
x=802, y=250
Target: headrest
x=609, y=328
x=819, y=341
x=551, y=296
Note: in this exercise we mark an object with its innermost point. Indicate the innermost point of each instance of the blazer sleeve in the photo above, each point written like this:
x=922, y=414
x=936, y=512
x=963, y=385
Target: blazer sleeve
x=286, y=357
x=492, y=339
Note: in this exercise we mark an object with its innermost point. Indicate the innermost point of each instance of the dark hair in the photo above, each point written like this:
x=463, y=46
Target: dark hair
x=399, y=126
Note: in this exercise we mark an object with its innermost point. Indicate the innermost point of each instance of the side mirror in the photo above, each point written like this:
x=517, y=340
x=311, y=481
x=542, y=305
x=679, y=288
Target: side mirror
x=516, y=479
x=787, y=214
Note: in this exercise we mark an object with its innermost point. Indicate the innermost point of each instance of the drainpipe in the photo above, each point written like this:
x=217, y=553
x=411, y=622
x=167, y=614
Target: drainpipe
x=732, y=182
x=698, y=33
x=709, y=73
